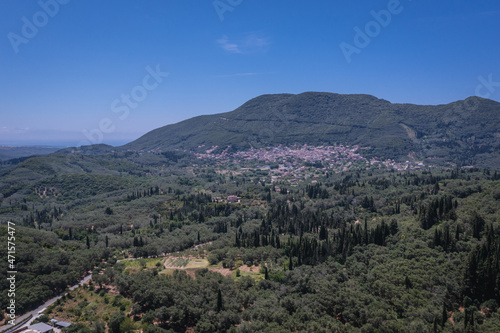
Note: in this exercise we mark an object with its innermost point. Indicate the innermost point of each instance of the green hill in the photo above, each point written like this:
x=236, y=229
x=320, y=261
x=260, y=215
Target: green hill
x=13, y=152
x=464, y=132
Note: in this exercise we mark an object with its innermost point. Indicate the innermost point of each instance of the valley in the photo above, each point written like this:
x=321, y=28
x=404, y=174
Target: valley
x=287, y=232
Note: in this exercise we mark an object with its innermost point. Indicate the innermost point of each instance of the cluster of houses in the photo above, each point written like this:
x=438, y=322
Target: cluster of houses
x=304, y=152
x=296, y=162
x=230, y=199
x=399, y=166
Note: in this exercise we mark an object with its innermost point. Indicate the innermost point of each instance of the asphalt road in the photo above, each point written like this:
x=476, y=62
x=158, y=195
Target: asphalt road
x=45, y=305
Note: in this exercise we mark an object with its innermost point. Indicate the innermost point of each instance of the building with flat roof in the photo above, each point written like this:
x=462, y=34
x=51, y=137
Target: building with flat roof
x=62, y=324
x=40, y=328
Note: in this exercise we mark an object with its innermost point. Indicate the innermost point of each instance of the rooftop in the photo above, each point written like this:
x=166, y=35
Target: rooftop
x=63, y=324
x=41, y=327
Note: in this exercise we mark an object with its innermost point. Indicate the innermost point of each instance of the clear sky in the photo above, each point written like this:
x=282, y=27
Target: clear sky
x=78, y=72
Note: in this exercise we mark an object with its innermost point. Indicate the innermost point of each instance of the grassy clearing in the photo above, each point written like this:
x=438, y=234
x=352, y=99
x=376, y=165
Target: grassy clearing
x=197, y=263
x=176, y=262
x=186, y=263
x=166, y=265
x=168, y=271
x=257, y=276
x=144, y=263
x=190, y=265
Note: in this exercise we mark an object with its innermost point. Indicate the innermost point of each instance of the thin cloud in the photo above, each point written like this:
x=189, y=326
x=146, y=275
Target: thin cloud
x=250, y=43
x=228, y=46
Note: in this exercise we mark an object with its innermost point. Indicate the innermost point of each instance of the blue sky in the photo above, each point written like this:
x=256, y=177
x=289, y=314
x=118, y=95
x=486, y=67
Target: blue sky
x=78, y=72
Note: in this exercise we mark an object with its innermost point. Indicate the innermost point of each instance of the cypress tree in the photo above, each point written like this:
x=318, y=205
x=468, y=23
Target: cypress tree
x=219, y=301
x=238, y=244
x=445, y=315
x=366, y=232
x=323, y=233
x=408, y=283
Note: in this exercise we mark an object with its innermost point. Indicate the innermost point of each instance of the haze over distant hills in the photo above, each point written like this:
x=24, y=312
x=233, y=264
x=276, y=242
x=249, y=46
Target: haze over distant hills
x=464, y=132
x=10, y=152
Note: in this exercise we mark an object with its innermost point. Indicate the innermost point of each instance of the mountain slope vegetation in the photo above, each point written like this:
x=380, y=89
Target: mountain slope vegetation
x=464, y=132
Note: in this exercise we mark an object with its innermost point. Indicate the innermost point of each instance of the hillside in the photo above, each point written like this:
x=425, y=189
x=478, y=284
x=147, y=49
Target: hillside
x=464, y=132
x=12, y=152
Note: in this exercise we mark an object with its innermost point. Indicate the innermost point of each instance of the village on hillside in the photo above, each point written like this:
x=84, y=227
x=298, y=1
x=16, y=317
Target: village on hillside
x=298, y=163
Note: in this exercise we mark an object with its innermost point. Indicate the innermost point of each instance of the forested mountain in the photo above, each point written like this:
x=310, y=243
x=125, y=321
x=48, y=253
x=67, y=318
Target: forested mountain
x=464, y=132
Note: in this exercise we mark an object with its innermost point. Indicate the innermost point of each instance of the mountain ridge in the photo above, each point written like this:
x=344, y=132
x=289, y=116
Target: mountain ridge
x=462, y=132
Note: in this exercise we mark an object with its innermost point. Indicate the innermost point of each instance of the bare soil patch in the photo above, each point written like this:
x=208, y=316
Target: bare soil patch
x=223, y=271
x=252, y=269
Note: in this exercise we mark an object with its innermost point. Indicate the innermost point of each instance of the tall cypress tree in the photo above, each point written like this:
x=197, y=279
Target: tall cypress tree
x=219, y=301
x=445, y=315
x=408, y=283
x=366, y=232
x=323, y=233
x=238, y=243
